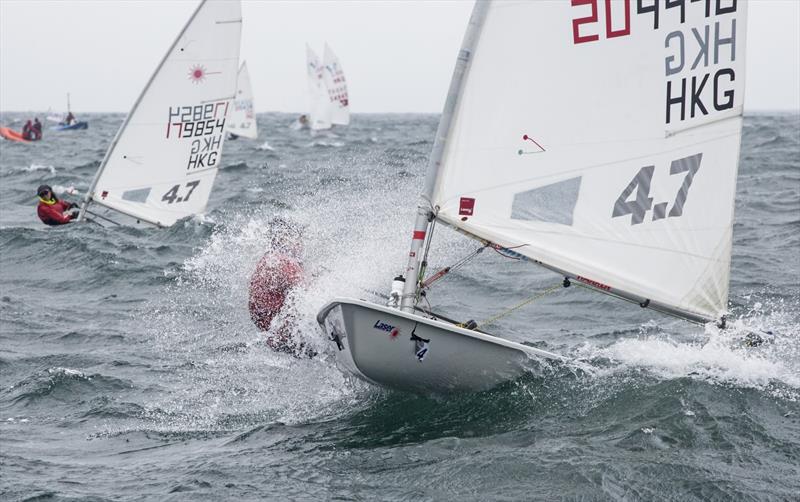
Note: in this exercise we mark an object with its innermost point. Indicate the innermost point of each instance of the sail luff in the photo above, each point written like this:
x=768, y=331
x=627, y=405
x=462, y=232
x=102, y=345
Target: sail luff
x=421, y=222
x=90, y=192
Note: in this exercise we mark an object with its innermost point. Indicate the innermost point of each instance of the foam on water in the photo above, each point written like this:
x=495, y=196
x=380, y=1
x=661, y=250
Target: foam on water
x=37, y=167
x=717, y=356
x=203, y=331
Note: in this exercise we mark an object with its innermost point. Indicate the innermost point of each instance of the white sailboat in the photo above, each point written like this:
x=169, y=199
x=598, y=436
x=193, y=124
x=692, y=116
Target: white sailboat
x=327, y=90
x=336, y=85
x=597, y=139
x=161, y=165
x=242, y=121
x=319, y=109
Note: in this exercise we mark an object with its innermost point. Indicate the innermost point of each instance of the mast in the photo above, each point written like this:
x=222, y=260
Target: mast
x=424, y=210
x=90, y=192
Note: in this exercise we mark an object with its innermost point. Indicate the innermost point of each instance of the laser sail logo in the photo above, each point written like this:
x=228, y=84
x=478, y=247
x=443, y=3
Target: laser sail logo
x=198, y=73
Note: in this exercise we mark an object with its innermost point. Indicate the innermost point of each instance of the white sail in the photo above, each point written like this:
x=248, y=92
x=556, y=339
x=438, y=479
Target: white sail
x=336, y=85
x=242, y=121
x=162, y=164
x=319, y=109
x=601, y=139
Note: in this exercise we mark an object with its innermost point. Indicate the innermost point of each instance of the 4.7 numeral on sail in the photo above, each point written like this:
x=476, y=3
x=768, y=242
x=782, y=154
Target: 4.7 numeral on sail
x=173, y=195
x=638, y=206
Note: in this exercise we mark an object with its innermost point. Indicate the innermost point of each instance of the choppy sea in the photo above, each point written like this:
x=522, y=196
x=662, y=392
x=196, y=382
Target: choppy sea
x=130, y=369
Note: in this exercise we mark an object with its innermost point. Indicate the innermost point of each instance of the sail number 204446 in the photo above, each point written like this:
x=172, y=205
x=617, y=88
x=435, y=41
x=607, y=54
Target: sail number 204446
x=638, y=206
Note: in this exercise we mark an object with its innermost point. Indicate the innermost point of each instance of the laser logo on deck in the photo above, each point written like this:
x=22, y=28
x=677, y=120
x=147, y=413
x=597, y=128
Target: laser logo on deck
x=382, y=326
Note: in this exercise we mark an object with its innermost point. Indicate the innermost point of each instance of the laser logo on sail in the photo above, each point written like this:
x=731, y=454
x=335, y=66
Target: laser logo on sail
x=466, y=206
x=197, y=74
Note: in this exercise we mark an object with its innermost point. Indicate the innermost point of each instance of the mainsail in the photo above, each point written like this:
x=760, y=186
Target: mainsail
x=162, y=164
x=601, y=139
x=336, y=85
x=319, y=109
x=242, y=121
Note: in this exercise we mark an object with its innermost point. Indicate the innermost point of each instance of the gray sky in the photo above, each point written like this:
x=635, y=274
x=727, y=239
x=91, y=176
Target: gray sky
x=397, y=55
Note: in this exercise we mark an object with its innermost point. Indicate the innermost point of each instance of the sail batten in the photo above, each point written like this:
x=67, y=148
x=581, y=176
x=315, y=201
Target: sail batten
x=171, y=141
x=610, y=152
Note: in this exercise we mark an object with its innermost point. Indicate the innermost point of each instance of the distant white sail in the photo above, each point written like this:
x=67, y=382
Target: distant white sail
x=242, y=121
x=319, y=109
x=602, y=139
x=336, y=85
x=162, y=164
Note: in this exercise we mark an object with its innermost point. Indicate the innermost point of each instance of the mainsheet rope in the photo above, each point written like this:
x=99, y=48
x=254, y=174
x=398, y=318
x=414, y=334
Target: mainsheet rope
x=508, y=311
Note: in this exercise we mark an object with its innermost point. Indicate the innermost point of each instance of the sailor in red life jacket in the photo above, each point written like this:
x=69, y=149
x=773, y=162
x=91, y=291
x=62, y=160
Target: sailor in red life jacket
x=27, y=130
x=277, y=273
x=51, y=210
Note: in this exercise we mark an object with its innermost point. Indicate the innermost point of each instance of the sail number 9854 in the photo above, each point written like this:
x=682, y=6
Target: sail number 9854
x=173, y=195
x=638, y=206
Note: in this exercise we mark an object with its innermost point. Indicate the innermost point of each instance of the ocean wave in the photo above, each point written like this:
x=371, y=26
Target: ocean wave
x=33, y=168
x=326, y=144
x=236, y=166
x=62, y=385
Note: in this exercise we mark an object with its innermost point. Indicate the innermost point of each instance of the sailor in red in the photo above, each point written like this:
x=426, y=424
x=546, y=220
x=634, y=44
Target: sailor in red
x=27, y=130
x=51, y=210
x=277, y=273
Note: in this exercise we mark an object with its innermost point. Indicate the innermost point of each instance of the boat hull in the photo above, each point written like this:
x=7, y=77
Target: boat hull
x=382, y=345
x=72, y=127
x=12, y=135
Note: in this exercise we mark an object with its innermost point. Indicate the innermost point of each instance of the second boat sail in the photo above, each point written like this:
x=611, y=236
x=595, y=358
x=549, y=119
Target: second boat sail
x=597, y=139
x=162, y=164
x=329, y=102
x=242, y=121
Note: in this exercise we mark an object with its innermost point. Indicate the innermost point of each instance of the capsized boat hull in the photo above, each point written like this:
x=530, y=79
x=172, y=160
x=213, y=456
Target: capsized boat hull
x=12, y=135
x=382, y=345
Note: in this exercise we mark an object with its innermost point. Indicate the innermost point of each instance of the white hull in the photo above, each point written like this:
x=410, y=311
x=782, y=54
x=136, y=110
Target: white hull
x=375, y=343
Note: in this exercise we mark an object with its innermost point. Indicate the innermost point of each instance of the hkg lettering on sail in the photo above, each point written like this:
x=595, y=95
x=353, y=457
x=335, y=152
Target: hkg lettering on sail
x=204, y=125
x=688, y=97
x=204, y=152
x=699, y=61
